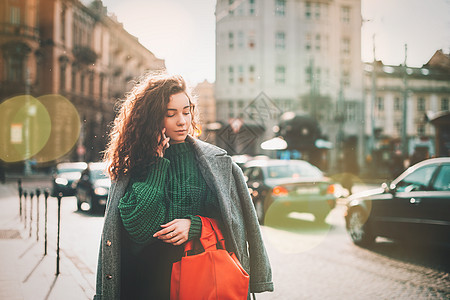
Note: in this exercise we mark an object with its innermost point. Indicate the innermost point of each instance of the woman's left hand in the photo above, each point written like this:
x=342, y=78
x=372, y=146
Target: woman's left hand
x=175, y=232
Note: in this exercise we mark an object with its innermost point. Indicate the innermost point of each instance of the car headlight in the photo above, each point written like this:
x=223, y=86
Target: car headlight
x=61, y=181
x=100, y=191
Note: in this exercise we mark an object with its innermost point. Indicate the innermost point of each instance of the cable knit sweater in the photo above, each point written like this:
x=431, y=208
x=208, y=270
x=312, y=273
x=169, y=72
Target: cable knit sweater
x=174, y=188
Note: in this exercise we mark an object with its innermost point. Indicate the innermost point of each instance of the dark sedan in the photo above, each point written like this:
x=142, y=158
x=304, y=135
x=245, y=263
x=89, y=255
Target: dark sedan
x=415, y=207
x=93, y=187
x=289, y=186
x=65, y=177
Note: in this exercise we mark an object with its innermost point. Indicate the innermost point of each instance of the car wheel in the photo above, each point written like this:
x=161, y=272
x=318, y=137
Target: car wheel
x=93, y=204
x=259, y=207
x=358, y=229
x=77, y=195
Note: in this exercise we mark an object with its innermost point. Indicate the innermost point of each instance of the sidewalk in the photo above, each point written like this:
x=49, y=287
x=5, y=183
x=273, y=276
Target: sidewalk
x=25, y=273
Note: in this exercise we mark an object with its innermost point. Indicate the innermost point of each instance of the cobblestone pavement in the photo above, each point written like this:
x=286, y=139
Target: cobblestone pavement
x=309, y=261
x=332, y=267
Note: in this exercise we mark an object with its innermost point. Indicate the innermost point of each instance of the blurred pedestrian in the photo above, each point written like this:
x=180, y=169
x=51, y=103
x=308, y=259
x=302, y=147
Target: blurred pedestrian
x=162, y=179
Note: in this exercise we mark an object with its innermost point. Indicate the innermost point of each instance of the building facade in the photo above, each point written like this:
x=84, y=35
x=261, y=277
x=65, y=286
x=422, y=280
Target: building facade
x=206, y=109
x=78, y=51
x=398, y=100
x=303, y=56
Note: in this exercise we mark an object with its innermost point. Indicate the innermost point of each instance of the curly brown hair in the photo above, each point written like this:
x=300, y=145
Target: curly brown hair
x=133, y=140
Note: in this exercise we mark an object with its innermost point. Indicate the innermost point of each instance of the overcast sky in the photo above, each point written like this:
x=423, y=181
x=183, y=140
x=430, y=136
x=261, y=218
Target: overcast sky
x=183, y=31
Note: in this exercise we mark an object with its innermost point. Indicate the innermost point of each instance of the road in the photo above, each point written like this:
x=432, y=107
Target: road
x=309, y=260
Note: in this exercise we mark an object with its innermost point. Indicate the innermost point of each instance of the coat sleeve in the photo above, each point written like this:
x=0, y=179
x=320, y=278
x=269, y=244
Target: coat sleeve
x=260, y=270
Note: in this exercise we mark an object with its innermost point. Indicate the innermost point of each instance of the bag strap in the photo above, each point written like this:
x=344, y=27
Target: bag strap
x=210, y=236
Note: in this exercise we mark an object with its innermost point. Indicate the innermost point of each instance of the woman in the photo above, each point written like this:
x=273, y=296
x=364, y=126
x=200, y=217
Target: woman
x=162, y=178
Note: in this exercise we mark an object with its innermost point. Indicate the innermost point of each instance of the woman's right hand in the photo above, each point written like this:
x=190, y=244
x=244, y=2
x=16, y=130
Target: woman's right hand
x=163, y=143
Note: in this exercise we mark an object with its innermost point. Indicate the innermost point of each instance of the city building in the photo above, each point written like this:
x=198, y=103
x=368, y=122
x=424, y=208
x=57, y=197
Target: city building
x=75, y=50
x=398, y=129
x=299, y=56
x=206, y=109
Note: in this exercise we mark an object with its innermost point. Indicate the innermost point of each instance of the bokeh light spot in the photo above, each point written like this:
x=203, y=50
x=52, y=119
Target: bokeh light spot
x=66, y=126
x=24, y=128
x=293, y=232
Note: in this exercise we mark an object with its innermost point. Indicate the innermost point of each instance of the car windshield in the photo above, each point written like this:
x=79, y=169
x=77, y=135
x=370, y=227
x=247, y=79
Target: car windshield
x=293, y=171
x=69, y=170
x=98, y=174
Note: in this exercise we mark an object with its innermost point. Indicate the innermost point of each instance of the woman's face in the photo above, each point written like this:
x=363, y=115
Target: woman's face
x=178, y=118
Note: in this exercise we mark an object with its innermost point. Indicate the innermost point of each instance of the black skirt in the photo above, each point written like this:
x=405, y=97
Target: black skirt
x=146, y=270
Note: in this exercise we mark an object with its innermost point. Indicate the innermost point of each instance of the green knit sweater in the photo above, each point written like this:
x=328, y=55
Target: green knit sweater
x=173, y=189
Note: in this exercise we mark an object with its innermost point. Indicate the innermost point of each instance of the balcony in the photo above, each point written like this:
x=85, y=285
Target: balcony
x=19, y=30
x=84, y=55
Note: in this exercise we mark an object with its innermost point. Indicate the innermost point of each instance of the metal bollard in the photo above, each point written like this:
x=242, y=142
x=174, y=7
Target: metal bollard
x=31, y=212
x=38, y=193
x=25, y=194
x=59, y=227
x=19, y=184
x=46, y=194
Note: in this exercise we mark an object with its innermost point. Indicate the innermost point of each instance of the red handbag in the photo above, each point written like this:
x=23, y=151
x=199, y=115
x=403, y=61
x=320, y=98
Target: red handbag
x=214, y=273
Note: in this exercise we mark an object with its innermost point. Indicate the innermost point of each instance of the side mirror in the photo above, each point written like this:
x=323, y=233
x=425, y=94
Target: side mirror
x=388, y=187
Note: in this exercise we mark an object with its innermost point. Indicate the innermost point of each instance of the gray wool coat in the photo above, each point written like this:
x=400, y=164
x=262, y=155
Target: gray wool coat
x=239, y=223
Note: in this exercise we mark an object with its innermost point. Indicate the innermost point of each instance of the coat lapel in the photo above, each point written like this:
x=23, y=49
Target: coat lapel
x=216, y=168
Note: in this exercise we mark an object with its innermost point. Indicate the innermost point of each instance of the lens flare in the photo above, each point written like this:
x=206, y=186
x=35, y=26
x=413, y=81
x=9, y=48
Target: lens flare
x=24, y=128
x=65, y=131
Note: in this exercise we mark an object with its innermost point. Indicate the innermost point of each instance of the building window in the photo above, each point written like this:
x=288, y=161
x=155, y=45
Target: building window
x=62, y=81
x=91, y=84
x=318, y=42
x=100, y=92
x=251, y=7
x=82, y=83
x=346, y=78
x=63, y=23
x=308, y=42
x=308, y=10
x=308, y=75
x=380, y=103
x=345, y=14
x=420, y=129
x=280, y=7
x=444, y=104
x=421, y=104
x=240, y=74
x=15, y=68
x=231, y=109
x=317, y=12
x=398, y=127
x=397, y=105
x=251, y=40
x=241, y=108
x=280, y=40
x=350, y=111
x=240, y=39
x=230, y=40
x=251, y=70
x=280, y=74
x=230, y=74
x=74, y=80
x=345, y=46
x=15, y=15
x=230, y=7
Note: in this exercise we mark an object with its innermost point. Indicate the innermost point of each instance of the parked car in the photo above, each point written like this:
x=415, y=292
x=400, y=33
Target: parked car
x=414, y=206
x=93, y=187
x=65, y=177
x=289, y=185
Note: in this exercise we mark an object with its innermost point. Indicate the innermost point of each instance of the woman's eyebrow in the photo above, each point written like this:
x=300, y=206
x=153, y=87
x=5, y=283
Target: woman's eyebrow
x=187, y=106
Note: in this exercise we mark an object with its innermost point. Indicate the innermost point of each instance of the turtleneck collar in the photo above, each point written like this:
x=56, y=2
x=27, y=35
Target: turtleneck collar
x=178, y=149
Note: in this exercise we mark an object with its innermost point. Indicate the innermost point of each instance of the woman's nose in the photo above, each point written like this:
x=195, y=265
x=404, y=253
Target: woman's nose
x=181, y=120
